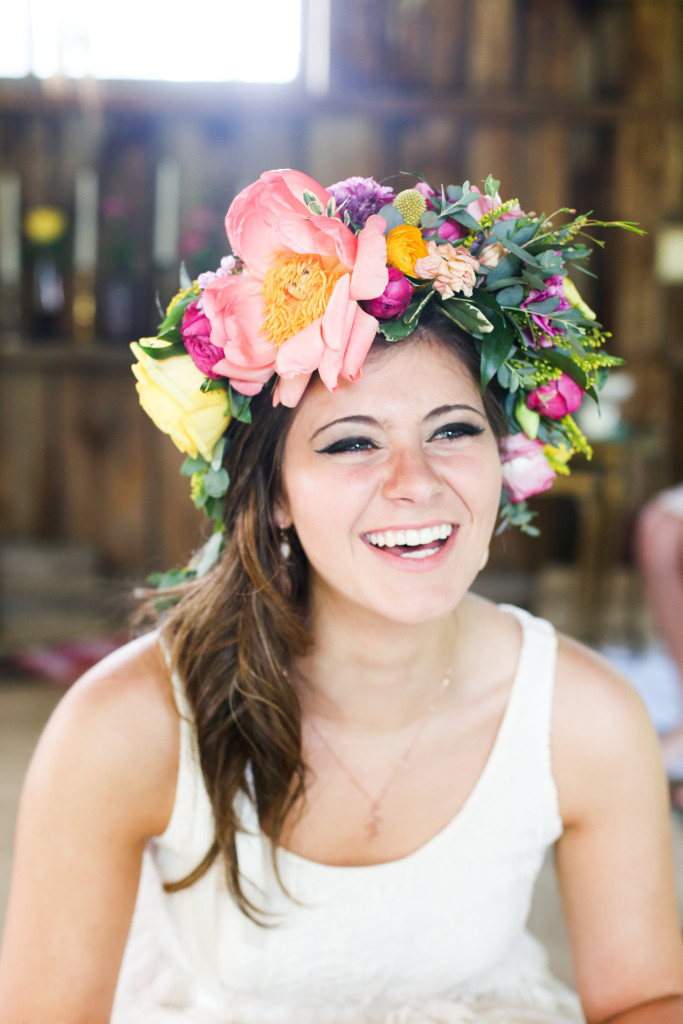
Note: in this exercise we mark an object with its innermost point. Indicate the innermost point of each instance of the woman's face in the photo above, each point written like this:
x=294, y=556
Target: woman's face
x=392, y=484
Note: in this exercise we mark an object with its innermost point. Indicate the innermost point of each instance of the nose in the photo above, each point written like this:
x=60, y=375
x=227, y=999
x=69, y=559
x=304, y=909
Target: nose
x=410, y=477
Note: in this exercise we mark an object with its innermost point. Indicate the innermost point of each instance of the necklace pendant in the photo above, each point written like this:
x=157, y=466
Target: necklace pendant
x=374, y=822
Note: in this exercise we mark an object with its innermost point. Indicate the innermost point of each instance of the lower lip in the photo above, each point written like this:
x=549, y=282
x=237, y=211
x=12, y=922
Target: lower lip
x=416, y=564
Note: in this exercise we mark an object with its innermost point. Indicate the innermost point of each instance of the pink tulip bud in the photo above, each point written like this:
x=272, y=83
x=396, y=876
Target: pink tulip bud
x=394, y=299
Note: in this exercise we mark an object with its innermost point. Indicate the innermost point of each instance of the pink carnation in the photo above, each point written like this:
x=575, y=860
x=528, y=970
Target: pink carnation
x=286, y=249
x=526, y=470
x=556, y=399
x=195, y=330
x=452, y=269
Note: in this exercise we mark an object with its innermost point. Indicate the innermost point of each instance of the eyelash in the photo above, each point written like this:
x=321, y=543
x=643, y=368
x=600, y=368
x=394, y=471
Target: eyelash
x=357, y=444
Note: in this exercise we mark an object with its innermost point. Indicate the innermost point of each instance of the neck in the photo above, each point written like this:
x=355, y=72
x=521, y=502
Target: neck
x=372, y=673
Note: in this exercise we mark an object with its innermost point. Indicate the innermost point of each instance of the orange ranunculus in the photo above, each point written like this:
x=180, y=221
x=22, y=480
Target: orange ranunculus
x=405, y=245
x=295, y=308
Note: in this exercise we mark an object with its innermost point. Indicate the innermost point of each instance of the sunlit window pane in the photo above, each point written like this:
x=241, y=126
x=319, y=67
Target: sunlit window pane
x=254, y=41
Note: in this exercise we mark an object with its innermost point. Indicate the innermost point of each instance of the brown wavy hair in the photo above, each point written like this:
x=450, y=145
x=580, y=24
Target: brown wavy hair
x=233, y=635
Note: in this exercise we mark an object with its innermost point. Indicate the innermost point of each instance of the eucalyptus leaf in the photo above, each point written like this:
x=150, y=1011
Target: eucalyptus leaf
x=508, y=267
x=523, y=254
x=454, y=193
x=465, y=218
x=524, y=233
x=503, y=229
x=429, y=219
x=207, y=556
x=239, y=406
x=193, y=464
x=392, y=216
x=533, y=280
x=218, y=452
x=214, y=508
x=505, y=282
x=216, y=482
x=511, y=296
x=543, y=306
x=504, y=376
x=312, y=202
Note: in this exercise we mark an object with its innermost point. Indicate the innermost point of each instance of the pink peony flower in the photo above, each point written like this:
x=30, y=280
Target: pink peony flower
x=195, y=330
x=296, y=308
x=556, y=399
x=394, y=299
x=478, y=207
x=452, y=269
x=449, y=231
x=526, y=470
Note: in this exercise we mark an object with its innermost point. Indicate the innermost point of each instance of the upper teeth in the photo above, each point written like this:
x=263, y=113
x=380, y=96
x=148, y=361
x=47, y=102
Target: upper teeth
x=411, y=538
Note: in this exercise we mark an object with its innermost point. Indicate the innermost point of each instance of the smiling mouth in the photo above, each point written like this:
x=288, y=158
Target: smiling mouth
x=414, y=544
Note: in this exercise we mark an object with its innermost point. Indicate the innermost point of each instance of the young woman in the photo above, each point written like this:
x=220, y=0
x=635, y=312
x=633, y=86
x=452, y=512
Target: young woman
x=321, y=791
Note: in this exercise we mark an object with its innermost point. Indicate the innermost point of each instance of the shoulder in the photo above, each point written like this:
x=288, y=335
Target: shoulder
x=113, y=740
x=601, y=732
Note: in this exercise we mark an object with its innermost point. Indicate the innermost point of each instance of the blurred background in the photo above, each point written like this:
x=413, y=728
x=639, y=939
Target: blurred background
x=123, y=138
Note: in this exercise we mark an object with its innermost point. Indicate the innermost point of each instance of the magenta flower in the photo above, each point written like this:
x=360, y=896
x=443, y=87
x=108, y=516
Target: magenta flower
x=360, y=197
x=556, y=399
x=554, y=287
x=449, y=231
x=394, y=300
x=195, y=330
x=526, y=470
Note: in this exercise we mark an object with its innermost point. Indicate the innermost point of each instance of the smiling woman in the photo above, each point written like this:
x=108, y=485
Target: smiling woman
x=320, y=792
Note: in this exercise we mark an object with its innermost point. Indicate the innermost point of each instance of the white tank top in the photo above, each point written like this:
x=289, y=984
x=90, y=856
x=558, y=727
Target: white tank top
x=436, y=935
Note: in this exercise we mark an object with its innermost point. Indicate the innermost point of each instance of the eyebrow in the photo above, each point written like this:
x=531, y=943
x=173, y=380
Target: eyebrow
x=370, y=421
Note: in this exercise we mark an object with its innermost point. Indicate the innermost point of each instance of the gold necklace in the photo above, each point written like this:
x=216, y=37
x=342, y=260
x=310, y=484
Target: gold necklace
x=375, y=820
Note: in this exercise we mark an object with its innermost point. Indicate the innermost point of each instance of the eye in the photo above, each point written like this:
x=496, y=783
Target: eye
x=348, y=444
x=452, y=431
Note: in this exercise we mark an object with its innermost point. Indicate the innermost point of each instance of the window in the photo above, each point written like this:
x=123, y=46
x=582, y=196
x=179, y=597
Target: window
x=243, y=40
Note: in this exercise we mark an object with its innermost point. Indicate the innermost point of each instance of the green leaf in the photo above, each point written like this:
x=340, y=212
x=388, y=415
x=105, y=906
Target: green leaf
x=454, y=193
x=164, y=351
x=211, y=384
x=524, y=233
x=465, y=218
x=185, y=279
x=505, y=282
x=394, y=330
x=331, y=208
x=411, y=316
x=511, y=296
x=207, y=556
x=533, y=280
x=508, y=267
x=429, y=219
x=503, y=229
x=175, y=314
x=491, y=186
x=392, y=216
x=312, y=202
x=544, y=305
x=216, y=482
x=523, y=254
x=239, y=406
x=214, y=508
x=496, y=348
x=193, y=464
x=218, y=452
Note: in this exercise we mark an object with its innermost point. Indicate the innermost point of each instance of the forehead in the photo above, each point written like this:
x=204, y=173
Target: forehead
x=405, y=381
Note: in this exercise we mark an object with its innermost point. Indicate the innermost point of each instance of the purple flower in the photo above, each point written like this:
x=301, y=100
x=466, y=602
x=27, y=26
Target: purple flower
x=394, y=299
x=195, y=330
x=360, y=197
x=554, y=288
x=556, y=399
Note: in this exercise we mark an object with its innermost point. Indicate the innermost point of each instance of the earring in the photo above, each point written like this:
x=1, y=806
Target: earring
x=285, y=546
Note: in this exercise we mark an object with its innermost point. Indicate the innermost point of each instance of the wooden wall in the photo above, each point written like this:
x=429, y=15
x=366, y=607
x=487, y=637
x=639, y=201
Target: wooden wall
x=568, y=103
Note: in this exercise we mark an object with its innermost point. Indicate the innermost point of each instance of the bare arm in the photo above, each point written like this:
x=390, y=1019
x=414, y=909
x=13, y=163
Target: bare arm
x=614, y=861
x=101, y=782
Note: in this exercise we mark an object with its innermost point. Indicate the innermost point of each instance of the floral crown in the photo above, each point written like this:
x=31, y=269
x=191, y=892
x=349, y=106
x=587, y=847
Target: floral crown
x=317, y=272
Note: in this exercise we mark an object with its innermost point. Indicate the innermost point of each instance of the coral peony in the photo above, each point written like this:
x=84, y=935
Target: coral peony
x=296, y=308
x=556, y=399
x=195, y=330
x=526, y=470
x=394, y=299
x=452, y=269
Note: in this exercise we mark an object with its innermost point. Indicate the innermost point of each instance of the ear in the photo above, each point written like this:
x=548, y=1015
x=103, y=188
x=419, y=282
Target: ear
x=283, y=519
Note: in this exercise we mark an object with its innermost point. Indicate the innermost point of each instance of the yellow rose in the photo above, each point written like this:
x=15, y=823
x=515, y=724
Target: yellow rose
x=571, y=294
x=169, y=391
x=405, y=245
